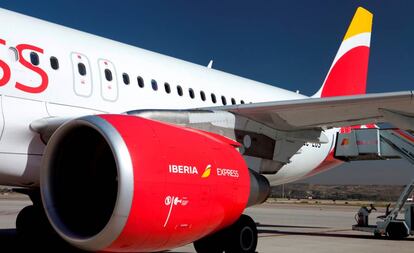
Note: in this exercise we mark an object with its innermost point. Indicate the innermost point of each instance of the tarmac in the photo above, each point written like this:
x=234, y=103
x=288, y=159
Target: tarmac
x=282, y=228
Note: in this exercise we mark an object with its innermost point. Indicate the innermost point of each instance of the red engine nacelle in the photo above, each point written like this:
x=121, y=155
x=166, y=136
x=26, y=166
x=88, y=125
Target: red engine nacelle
x=124, y=183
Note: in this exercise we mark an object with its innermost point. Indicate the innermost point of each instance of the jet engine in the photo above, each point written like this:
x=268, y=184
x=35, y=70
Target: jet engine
x=124, y=183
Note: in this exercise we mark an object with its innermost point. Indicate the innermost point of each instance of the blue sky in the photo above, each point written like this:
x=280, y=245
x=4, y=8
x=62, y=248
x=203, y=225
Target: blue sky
x=285, y=43
x=289, y=44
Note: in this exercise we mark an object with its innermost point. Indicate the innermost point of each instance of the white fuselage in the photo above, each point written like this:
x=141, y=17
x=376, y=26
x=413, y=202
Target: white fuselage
x=71, y=90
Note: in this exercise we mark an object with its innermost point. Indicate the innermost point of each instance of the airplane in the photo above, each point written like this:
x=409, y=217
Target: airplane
x=125, y=150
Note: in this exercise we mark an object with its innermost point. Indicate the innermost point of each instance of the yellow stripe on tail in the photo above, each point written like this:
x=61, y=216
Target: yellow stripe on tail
x=361, y=23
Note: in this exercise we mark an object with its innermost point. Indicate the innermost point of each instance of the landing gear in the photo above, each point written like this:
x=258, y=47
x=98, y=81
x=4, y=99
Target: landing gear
x=28, y=221
x=33, y=227
x=31, y=222
x=241, y=237
x=211, y=244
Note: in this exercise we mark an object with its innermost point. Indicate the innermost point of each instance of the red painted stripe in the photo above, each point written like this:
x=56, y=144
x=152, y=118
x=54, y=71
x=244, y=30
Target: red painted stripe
x=349, y=74
x=405, y=135
x=326, y=164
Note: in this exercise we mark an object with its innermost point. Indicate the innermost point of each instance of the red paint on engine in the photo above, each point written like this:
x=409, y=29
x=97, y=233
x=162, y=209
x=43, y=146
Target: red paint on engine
x=172, y=203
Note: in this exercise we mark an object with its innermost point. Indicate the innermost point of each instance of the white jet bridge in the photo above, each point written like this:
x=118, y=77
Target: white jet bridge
x=380, y=144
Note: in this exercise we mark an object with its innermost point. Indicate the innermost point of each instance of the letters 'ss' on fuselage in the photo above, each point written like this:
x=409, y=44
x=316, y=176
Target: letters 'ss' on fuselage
x=21, y=86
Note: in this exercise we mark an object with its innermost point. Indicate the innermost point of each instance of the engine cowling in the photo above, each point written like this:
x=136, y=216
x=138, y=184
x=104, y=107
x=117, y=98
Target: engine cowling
x=125, y=183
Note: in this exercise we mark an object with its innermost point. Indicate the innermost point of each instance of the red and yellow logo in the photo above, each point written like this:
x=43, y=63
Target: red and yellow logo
x=345, y=141
x=206, y=172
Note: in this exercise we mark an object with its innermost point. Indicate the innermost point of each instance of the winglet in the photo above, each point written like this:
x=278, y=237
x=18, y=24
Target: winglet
x=348, y=72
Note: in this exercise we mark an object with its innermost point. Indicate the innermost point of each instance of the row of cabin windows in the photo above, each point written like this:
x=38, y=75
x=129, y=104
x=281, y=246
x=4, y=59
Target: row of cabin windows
x=34, y=59
x=54, y=63
x=107, y=72
x=180, y=91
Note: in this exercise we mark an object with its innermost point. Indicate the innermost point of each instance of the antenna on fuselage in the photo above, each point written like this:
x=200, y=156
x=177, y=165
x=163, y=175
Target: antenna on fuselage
x=210, y=64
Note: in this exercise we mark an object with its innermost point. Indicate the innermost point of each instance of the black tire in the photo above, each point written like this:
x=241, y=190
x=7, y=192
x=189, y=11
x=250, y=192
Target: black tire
x=242, y=236
x=377, y=235
x=28, y=221
x=29, y=228
x=397, y=231
x=34, y=230
x=209, y=244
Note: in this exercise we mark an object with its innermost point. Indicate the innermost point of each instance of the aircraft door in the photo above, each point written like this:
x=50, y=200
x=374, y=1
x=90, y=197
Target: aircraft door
x=109, y=84
x=82, y=75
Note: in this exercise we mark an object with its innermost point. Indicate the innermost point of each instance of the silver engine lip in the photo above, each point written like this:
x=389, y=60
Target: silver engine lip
x=118, y=219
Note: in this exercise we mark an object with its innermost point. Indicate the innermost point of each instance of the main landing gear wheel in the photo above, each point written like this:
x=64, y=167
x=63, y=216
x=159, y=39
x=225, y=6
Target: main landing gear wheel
x=31, y=222
x=34, y=230
x=241, y=237
x=211, y=244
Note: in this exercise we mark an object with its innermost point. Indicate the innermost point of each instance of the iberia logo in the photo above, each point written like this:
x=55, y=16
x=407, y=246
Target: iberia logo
x=206, y=172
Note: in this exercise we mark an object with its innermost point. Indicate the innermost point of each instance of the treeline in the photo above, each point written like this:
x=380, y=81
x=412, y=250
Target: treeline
x=338, y=192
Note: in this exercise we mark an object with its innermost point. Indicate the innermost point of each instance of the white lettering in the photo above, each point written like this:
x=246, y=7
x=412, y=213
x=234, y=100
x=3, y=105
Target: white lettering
x=182, y=169
x=227, y=173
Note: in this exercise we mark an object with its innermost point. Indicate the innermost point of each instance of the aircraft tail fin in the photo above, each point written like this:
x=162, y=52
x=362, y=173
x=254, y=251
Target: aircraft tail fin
x=348, y=72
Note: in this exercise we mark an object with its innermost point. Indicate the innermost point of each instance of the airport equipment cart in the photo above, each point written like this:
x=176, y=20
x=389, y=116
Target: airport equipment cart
x=380, y=144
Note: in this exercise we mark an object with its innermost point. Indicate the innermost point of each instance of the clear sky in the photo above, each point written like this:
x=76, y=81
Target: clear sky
x=289, y=44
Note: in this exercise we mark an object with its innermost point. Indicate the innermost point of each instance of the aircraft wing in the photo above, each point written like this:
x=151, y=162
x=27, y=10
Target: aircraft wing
x=330, y=112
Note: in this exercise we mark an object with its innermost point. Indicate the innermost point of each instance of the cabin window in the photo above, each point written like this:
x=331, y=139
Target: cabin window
x=81, y=69
x=14, y=54
x=179, y=90
x=108, y=75
x=54, y=63
x=125, y=77
x=241, y=101
x=82, y=79
x=109, y=80
x=167, y=88
x=34, y=58
x=223, y=100
x=140, y=82
x=191, y=92
x=154, y=84
x=203, y=95
x=213, y=98
x=233, y=101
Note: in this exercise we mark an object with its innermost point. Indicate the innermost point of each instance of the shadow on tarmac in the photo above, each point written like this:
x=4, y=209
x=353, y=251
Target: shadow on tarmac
x=10, y=242
x=288, y=226
x=264, y=229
